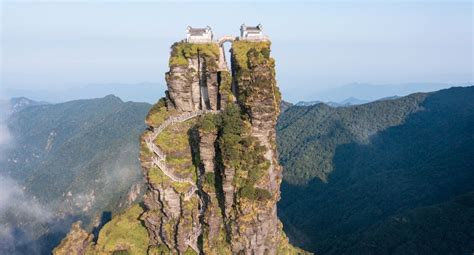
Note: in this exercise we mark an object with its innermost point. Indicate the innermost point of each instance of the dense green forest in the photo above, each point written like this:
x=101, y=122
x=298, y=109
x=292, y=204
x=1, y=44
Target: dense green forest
x=388, y=177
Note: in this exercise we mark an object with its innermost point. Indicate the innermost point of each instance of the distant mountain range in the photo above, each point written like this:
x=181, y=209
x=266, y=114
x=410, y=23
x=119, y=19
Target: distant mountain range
x=140, y=92
x=17, y=104
x=371, y=92
x=346, y=102
x=354, y=93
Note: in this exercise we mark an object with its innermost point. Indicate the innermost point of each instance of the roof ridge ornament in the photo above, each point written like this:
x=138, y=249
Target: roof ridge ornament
x=250, y=33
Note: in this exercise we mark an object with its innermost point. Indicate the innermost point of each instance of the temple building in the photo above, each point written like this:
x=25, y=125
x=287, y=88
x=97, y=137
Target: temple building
x=251, y=33
x=199, y=35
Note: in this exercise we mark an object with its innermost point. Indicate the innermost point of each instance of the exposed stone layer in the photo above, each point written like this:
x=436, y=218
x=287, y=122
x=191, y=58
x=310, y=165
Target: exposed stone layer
x=256, y=230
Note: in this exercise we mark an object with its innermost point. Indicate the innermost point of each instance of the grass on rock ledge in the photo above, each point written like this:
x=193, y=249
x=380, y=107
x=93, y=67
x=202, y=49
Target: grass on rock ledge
x=124, y=233
x=182, y=51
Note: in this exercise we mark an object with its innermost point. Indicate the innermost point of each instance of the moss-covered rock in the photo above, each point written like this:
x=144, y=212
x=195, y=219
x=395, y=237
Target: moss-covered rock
x=158, y=113
x=242, y=48
x=124, y=233
x=182, y=51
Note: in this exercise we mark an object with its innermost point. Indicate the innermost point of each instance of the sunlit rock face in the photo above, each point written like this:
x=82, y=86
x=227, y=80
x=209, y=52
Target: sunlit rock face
x=221, y=198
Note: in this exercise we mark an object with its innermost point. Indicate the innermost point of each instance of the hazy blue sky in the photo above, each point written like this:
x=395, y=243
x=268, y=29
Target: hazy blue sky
x=317, y=45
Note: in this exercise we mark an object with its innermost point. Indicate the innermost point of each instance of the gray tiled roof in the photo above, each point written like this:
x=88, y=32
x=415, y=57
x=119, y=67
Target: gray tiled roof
x=197, y=31
x=253, y=29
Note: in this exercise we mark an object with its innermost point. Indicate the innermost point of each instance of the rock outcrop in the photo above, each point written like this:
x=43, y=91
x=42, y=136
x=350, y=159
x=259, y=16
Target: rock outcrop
x=256, y=229
x=228, y=155
x=75, y=243
x=192, y=79
x=209, y=156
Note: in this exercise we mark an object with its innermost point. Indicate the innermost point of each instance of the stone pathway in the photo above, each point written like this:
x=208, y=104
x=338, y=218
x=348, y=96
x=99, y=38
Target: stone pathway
x=159, y=159
x=192, y=240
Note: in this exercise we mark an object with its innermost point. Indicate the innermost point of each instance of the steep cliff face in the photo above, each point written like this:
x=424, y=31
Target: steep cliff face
x=209, y=157
x=192, y=79
x=226, y=201
x=255, y=227
x=170, y=154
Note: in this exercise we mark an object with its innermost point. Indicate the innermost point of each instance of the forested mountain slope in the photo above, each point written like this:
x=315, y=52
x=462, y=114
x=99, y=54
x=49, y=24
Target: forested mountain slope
x=67, y=161
x=395, y=176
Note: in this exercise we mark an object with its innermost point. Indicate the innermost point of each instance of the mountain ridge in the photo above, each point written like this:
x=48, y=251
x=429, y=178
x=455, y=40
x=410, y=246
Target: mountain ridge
x=412, y=170
x=372, y=92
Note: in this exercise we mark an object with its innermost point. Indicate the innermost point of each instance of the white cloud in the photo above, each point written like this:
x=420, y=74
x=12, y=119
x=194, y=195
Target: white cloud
x=13, y=199
x=18, y=209
x=5, y=136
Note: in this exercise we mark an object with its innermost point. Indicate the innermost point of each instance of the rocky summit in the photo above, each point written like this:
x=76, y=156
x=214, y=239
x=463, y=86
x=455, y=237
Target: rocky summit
x=209, y=158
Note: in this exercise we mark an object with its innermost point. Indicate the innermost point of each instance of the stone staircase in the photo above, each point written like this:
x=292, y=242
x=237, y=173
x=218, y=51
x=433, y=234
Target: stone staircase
x=159, y=159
